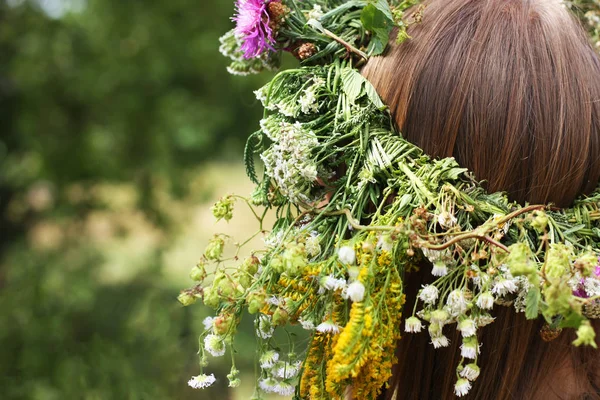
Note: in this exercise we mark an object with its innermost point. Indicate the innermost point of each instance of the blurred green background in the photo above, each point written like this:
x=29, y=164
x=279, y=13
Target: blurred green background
x=119, y=127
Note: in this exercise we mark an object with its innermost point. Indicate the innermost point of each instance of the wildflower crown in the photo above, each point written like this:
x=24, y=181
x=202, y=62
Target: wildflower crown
x=358, y=208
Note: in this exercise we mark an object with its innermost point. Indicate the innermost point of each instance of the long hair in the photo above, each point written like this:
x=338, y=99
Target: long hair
x=511, y=89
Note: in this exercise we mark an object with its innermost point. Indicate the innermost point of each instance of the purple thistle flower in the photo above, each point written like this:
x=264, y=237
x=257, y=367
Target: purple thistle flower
x=252, y=26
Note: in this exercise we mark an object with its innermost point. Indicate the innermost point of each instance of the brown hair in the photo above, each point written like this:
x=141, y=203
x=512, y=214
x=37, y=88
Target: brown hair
x=511, y=89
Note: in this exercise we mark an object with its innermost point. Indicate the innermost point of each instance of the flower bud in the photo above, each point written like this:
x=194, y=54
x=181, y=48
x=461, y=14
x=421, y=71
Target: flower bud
x=586, y=335
x=214, y=250
x=250, y=265
x=186, y=298
x=223, y=208
x=280, y=317
x=223, y=323
x=256, y=301
x=539, y=221
x=198, y=273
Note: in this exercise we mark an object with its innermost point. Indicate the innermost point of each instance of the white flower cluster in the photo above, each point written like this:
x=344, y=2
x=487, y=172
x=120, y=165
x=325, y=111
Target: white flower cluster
x=288, y=161
x=308, y=100
x=279, y=374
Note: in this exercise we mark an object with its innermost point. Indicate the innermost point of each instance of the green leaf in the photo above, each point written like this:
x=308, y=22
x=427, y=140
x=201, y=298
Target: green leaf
x=573, y=320
x=533, y=302
x=574, y=229
x=384, y=7
x=373, y=96
x=253, y=146
x=377, y=18
x=352, y=83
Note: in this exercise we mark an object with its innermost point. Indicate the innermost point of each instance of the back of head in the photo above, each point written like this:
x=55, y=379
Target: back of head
x=511, y=88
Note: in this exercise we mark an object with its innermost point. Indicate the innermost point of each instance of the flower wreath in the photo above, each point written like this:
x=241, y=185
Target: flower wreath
x=358, y=207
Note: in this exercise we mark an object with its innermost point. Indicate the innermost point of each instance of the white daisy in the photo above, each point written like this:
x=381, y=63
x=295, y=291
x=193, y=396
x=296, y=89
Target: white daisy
x=462, y=387
x=328, y=326
x=469, y=348
x=470, y=372
x=440, y=341
x=504, y=286
x=457, y=303
x=439, y=268
x=413, y=325
x=202, y=381
x=284, y=389
x=208, y=323
x=467, y=327
x=485, y=301
x=429, y=294
x=331, y=283
x=268, y=359
x=214, y=345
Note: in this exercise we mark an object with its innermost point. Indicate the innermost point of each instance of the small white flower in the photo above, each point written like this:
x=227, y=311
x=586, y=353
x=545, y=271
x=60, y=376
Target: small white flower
x=268, y=385
x=284, y=389
x=433, y=255
x=328, y=326
x=429, y=294
x=504, y=228
x=214, y=345
x=439, y=268
x=265, y=328
x=484, y=320
x=268, y=359
x=274, y=301
x=470, y=372
x=446, y=219
x=592, y=287
x=208, y=323
x=504, y=286
x=331, y=283
x=261, y=96
x=286, y=370
x=356, y=292
x=308, y=102
x=469, y=349
x=202, y=381
x=457, y=303
x=306, y=324
x=346, y=255
x=467, y=327
x=485, y=301
x=439, y=317
x=385, y=243
x=413, y=325
x=316, y=12
x=440, y=341
x=462, y=387
x=312, y=245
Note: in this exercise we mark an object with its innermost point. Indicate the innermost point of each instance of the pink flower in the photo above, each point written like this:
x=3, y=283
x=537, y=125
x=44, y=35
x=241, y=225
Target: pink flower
x=252, y=26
